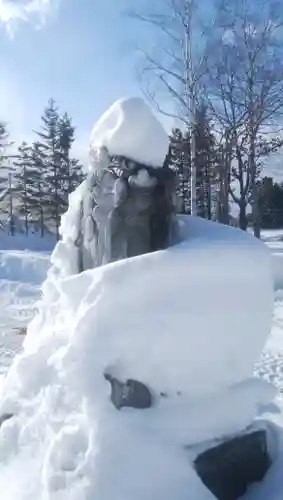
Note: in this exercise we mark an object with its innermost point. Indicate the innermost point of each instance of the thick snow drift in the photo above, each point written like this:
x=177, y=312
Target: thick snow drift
x=129, y=128
x=188, y=321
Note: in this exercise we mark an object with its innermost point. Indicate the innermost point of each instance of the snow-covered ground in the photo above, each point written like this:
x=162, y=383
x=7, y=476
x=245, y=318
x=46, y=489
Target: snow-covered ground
x=23, y=266
x=22, y=272
x=21, y=275
x=270, y=365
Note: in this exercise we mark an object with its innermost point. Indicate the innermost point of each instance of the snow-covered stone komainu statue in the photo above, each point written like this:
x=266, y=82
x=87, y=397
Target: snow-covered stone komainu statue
x=127, y=207
x=127, y=210
x=136, y=377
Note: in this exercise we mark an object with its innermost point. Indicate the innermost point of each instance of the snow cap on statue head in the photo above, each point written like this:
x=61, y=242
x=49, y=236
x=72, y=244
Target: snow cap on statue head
x=129, y=129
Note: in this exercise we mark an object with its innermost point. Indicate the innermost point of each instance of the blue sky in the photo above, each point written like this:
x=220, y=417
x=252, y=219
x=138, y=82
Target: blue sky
x=80, y=52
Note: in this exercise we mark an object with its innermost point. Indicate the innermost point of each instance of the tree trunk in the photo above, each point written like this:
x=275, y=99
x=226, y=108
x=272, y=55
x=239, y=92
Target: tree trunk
x=25, y=201
x=193, y=175
x=41, y=223
x=255, y=211
x=41, y=212
x=252, y=159
x=11, y=215
x=186, y=167
x=223, y=195
x=208, y=198
x=225, y=189
x=243, y=220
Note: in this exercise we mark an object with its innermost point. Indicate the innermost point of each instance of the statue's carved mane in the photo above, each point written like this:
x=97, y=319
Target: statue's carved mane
x=124, y=215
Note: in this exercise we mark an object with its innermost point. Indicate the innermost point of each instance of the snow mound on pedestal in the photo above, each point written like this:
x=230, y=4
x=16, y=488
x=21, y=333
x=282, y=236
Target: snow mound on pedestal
x=129, y=128
x=188, y=322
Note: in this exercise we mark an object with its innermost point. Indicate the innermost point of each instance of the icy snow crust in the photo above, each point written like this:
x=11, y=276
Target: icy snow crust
x=129, y=128
x=188, y=321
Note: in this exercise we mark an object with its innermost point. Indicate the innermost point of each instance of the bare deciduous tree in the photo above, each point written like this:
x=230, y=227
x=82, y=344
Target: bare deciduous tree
x=245, y=89
x=171, y=72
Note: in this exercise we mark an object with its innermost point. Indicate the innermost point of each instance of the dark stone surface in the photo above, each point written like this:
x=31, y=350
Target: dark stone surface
x=127, y=210
x=229, y=468
x=131, y=393
x=4, y=417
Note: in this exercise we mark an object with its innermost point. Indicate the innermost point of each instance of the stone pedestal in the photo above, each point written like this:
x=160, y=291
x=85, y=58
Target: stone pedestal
x=229, y=468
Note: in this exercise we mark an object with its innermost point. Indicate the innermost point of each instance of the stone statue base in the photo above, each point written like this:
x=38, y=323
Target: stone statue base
x=229, y=468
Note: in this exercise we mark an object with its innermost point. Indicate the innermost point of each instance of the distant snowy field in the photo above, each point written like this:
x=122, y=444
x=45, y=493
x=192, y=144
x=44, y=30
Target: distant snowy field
x=21, y=275
x=23, y=266
x=270, y=365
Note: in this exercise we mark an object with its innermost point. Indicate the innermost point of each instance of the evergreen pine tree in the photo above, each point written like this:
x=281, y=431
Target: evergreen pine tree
x=70, y=170
x=270, y=203
x=49, y=162
x=46, y=171
x=20, y=178
x=59, y=172
x=179, y=160
x=27, y=186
